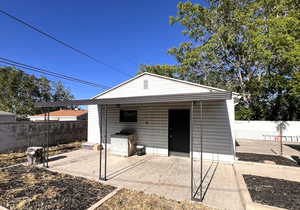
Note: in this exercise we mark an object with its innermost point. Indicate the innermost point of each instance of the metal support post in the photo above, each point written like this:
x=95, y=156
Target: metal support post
x=198, y=190
x=100, y=159
x=44, y=150
x=105, y=158
x=48, y=136
x=191, y=149
x=201, y=141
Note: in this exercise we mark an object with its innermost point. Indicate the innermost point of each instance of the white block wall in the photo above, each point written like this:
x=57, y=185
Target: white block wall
x=255, y=130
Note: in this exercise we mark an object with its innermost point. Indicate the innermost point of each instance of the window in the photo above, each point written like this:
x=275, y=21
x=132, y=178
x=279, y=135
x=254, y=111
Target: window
x=128, y=116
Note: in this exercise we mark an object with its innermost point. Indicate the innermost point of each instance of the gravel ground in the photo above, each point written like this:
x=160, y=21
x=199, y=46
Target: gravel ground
x=278, y=160
x=274, y=192
x=128, y=200
x=20, y=157
x=24, y=187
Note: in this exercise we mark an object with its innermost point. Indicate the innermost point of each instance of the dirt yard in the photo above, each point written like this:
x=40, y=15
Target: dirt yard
x=20, y=157
x=274, y=192
x=127, y=200
x=294, y=146
x=23, y=187
x=262, y=158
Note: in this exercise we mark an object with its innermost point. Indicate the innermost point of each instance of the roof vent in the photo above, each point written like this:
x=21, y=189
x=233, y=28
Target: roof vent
x=145, y=84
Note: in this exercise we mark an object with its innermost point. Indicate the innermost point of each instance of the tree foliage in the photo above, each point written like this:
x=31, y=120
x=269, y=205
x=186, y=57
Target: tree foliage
x=20, y=91
x=165, y=70
x=248, y=46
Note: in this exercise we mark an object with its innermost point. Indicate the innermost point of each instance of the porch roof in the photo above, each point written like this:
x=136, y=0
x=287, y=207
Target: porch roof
x=209, y=96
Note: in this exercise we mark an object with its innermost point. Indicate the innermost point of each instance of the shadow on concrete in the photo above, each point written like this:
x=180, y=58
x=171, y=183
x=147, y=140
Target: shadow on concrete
x=296, y=158
x=125, y=169
x=207, y=178
x=210, y=178
x=274, y=151
x=57, y=158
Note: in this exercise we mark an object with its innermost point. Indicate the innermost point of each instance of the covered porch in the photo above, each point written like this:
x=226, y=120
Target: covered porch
x=165, y=176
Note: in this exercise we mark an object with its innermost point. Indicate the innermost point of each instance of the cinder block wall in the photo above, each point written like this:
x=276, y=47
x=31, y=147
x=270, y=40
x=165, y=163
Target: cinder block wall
x=19, y=135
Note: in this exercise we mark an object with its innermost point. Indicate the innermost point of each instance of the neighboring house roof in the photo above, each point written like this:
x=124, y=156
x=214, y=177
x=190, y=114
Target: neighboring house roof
x=6, y=113
x=65, y=113
x=159, y=76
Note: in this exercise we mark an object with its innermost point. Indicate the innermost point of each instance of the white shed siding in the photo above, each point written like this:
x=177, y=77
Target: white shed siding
x=156, y=86
x=217, y=136
x=152, y=126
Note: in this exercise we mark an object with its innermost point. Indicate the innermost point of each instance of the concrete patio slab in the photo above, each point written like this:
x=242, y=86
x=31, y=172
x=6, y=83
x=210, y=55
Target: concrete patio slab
x=287, y=173
x=164, y=176
x=266, y=147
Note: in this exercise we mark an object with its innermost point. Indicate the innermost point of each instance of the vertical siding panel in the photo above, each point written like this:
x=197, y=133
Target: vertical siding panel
x=216, y=128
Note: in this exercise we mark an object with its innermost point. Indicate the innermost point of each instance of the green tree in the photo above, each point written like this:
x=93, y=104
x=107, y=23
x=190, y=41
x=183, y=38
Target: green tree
x=251, y=47
x=61, y=93
x=164, y=70
x=20, y=91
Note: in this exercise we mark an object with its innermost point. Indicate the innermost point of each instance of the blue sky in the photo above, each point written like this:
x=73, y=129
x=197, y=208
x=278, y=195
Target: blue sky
x=123, y=34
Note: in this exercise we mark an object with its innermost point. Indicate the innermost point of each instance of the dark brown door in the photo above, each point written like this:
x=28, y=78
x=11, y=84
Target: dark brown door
x=179, y=130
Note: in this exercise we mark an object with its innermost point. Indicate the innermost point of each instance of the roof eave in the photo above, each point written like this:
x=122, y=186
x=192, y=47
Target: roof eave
x=209, y=96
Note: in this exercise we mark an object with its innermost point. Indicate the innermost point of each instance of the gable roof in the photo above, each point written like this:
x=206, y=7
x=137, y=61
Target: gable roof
x=65, y=113
x=159, y=76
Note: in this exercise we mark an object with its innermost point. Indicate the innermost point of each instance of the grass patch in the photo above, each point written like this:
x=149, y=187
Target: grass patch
x=23, y=187
x=20, y=157
x=128, y=200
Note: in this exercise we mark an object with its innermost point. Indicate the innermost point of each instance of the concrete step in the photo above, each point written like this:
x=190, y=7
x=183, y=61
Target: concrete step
x=91, y=146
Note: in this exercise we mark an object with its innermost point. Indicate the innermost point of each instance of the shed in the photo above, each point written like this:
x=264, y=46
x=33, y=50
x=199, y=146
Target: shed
x=167, y=116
